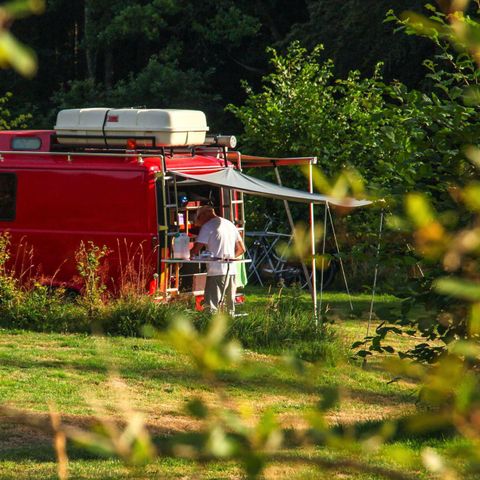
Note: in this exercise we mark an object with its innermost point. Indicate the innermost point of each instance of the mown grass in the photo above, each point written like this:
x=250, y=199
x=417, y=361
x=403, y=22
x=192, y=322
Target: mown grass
x=282, y=320
x=73, y=372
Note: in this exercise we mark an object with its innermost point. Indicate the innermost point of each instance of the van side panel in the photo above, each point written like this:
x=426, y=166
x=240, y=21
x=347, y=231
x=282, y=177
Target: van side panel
x=81, y=200
x=58, y=208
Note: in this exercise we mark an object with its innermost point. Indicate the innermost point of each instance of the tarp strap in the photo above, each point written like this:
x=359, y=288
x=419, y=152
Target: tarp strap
x=340, y=258
x=292, y=226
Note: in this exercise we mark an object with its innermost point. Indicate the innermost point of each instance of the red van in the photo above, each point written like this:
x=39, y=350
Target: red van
x=55, y=195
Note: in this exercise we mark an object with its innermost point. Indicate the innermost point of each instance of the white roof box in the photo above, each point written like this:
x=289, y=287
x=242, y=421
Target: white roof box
x=113, y=127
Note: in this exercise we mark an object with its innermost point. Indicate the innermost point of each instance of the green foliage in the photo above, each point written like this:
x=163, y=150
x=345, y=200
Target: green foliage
x=202, y=49
x=441, y=306
x=14, y=54
x=42, y=309
x=89, y=265
x=107, y=41
x=398, y=139
x=162, y=81
x=7, y=120
x=356, y=37
x=8, y=283
x=135, y=316
x=285, y=324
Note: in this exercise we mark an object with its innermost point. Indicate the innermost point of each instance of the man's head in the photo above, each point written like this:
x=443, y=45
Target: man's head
x=204, y=214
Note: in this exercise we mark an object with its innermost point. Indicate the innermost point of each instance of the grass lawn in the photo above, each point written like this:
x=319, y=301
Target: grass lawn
x=73, y=374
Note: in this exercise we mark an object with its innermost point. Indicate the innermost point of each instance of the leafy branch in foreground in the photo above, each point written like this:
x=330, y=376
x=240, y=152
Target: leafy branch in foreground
x=229, y=432
x=226, y=431
x=441, y=307
x=14, y=54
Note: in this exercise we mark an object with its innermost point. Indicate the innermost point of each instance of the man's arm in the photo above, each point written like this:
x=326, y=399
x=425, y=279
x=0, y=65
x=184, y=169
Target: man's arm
x=197, y=247
x=239, y=248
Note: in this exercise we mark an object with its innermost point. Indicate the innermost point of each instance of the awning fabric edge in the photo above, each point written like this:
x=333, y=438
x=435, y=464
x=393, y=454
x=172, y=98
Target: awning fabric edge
x=234, y=179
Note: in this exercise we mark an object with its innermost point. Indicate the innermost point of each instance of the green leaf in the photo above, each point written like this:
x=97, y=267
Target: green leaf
x=364, y=353
x=419, y=210
x=14, y=54
x=459, y=288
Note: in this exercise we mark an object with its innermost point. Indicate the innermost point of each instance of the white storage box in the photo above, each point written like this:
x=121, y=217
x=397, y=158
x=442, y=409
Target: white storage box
x=100, y=126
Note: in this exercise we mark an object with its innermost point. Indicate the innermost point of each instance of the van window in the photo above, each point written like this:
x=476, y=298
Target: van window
x=8, y=194
x=26, y=143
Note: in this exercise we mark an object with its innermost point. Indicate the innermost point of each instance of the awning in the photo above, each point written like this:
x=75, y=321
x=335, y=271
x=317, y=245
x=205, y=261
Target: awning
x=236, y=180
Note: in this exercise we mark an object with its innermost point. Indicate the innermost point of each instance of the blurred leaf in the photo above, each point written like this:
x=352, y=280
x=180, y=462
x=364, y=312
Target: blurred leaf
x=468, y=349
x=432, y=460
x=14, y=54
x=459, y=288
x=219, y=444
x=421, y=24
x=330, y=398
x=217, y=330
x=471, y=195
x=253, y=465
x=471, y=96
x=419, y=210
x=197, y=408
x=473, y=154
x=474, y=319
x=295, y=363
x=22, y=8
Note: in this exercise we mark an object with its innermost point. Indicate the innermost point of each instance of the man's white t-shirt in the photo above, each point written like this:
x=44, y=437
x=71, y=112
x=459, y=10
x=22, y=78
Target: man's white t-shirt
x=220, y=236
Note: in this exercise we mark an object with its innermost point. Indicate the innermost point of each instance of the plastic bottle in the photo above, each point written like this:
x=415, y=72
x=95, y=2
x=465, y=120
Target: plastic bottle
x=181, y=246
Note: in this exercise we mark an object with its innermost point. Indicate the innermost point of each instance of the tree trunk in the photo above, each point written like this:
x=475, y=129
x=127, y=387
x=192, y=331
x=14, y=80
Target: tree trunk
x=108, y=67
x=268, y=18
x=90, y=54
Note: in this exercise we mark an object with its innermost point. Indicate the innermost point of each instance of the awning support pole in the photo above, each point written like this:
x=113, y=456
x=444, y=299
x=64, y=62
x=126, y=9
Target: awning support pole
x=340, y=258
x=375, y=276
x=324, y=233
x=312, y=241
x=292, y=226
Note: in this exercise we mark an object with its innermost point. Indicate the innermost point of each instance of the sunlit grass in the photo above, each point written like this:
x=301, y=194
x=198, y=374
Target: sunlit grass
x=70, y=371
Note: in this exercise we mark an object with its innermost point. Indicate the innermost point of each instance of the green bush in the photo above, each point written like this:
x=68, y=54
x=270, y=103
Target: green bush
x=43, y=309
x=130, y=316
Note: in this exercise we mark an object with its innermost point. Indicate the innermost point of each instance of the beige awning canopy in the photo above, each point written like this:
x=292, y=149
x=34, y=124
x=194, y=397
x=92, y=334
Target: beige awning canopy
x=236, y=180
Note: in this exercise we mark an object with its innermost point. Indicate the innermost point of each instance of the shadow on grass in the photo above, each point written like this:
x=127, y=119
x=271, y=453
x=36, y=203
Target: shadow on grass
x=401, y=430
x=253, y=381
x=38, y=447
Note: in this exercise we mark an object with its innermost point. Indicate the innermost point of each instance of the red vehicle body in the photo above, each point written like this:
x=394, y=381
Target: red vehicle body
x=52, y=200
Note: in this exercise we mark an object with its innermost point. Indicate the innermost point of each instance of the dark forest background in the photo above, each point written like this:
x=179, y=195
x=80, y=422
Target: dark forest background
x=190, y=54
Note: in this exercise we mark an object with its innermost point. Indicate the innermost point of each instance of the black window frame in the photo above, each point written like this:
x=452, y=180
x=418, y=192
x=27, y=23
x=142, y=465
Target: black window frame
x=12, y=218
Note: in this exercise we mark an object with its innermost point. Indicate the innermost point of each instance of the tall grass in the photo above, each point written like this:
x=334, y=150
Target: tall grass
x=281, y=323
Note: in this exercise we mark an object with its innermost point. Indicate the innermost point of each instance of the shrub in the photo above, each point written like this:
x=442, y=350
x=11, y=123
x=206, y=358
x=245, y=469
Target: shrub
x=129, y=316
x=89, y=264
x=284, y=324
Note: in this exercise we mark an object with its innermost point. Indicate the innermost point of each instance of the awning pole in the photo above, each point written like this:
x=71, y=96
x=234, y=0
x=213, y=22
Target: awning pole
x=322, y=273
x=375, y=276
x=292, y=226
x=312, y=241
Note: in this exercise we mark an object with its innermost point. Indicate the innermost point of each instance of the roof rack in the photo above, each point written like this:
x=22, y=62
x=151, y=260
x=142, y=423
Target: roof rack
x=106, y=144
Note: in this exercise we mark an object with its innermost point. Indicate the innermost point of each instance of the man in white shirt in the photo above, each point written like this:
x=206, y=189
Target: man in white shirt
x=220, y=237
